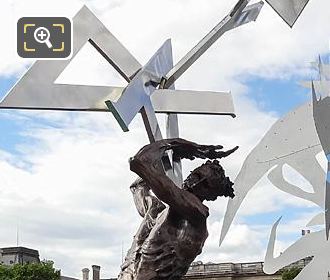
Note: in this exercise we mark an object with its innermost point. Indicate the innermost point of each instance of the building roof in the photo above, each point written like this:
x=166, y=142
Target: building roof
x=19, y=250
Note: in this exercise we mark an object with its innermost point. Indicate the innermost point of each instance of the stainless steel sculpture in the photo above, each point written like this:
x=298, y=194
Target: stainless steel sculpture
x=293, y=140
x=137, y=95
x=321, y=86
x=150, y=88
x=240, y=14
x=321, y=114
x=313, y=244
x=288, y=10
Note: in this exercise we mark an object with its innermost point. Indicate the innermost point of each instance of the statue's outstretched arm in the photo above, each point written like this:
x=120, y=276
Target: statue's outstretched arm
x=148, y=165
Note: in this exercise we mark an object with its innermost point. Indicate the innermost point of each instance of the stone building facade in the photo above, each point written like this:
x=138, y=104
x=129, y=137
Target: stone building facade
x=221, y=271
x=197, y=271
x=18, y=255
x=234, y=271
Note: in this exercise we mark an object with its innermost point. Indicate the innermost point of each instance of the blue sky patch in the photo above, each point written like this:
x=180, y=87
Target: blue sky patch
x=277, y=95
x=9, y=136
x=6, y=84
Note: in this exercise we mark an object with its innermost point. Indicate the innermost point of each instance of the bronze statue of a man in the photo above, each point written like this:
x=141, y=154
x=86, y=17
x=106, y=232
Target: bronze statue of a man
x=170, y=237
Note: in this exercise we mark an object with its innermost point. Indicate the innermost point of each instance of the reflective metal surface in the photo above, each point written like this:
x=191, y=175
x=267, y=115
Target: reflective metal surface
x=241, y=14
x=172, y=131
x=313, y=244
x=206, y=103
x=36, y=89
x=138, y=92
x=321, y=86
x=288, y=10
x=163, y=101
x=291, y=141
x=238, y=16
x=321, y=114
x=58, y=97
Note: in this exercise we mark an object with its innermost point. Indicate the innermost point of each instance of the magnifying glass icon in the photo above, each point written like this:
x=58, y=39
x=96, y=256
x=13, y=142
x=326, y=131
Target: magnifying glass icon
x=42, y=35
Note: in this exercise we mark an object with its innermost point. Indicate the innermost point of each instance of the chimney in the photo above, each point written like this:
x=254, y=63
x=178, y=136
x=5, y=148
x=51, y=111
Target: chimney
x=96, y=272
x=85, y=273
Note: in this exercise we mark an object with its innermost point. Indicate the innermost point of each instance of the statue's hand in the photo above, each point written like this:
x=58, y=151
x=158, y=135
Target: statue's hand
x=213, y=152
x=190, y=150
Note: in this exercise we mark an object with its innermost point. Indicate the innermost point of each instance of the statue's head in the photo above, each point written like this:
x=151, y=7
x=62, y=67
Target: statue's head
x=209, y=181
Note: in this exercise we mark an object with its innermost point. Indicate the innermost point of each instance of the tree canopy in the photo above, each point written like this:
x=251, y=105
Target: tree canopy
x=290, y=273
x=31, y=271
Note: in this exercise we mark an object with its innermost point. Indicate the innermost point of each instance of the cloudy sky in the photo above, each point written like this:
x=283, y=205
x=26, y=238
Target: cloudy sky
x=64, y=177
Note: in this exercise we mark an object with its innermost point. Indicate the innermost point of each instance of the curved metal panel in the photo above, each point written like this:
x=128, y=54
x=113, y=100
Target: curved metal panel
x=321, y=113
x=291, y=140
x=313, y=244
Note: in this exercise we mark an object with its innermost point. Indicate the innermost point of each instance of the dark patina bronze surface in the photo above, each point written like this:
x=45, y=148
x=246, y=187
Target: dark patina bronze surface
x=173, y=230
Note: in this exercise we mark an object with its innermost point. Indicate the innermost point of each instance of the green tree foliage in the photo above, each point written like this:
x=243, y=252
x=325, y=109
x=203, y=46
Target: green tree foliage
x=289, y=274
x=32, y=271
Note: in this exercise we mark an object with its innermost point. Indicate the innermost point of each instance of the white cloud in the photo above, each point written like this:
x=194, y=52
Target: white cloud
x=71, y=199
x=244, y=244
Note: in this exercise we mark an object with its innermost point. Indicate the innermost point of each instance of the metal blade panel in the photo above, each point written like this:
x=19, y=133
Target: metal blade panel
x=288, y=10
x=193, y=102
x=138, y=92
x=36, y=89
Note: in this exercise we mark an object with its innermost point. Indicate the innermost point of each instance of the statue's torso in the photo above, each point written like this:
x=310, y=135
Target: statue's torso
x=171, y=246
